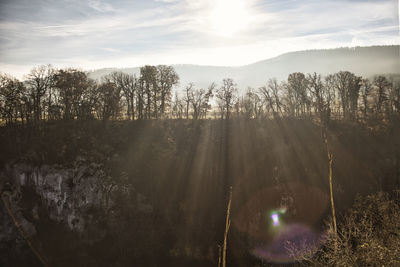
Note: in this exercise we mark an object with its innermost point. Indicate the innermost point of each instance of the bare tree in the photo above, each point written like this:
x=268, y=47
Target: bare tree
x=394, y=98
x=148, y=79
x=381, y=90
x=12, y=92
x=271, y=96
x=199, y=99
x=177, y=107
x=348, y=86
x=289, y=100
x=39, y=80
x=187, y=98
x=140, y=99
x=128, y=85
x=227, y=95
x=109, y=99
x=365, y=91
x=70, y=84
x=90, y=101
x=167, y=79
x=250, y=104
x=332, y=98
x=297, y=85
x=320, y=97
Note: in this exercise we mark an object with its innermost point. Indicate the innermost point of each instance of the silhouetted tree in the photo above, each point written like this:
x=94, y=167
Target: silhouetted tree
x=167, y=79
x=316, y=88
x=140, y=99
x=70, y=93
x=381, y=85
x=90, y=101
x=250, y=104
x=187, y=98
x=348, y=87
x=271, y=96
x=354, y=93
x=226, y=95
x=128, y=85
x=177, y=107
x=148, y=77
x=39, y=80
x=321, y=96
x=71, y=85
x=297, y=87
x=331, y=94
x=289, y=100
x=12, y=92
x=365, y=91
x=394, y=98
x=199, y=99
x=109, y=100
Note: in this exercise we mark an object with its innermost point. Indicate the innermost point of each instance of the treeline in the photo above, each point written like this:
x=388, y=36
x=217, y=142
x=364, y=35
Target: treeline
x=70, y=94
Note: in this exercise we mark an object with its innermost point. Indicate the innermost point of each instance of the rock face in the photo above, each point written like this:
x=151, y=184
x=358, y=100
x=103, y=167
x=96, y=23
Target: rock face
x=75, y=199
x=67, y=193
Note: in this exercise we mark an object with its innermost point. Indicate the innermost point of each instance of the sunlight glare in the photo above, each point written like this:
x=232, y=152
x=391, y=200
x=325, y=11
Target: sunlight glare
x=229, y=17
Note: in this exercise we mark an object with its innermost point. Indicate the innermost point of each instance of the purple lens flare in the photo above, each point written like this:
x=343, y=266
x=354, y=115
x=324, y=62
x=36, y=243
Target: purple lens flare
x=273, y=226
x=275, y=219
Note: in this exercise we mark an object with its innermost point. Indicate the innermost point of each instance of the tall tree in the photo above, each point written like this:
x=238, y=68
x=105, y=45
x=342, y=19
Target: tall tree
x=12, y=92
x=227, y=95
x=365, y=91
x=90, y=101
x=177, y=106
x=140, y=99
x=199, y=99
x=148, y=77
x=251, y=104
x=187, y=98
x=39, y=80
x=167, y=79
x=354, y=94
x=109, y=99
x=320, y=97
x=394, y=97
x=297, y=84
x=382, y=85
x=270, y=92
x=348, y=87
x=128, y=85
x=331, y=94
x=71, y=85
x=289, y=100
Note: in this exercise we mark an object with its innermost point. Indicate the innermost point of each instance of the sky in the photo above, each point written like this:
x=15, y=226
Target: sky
x=127, y=33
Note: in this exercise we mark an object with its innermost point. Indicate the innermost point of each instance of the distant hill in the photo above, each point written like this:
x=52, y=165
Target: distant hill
x=364, y=61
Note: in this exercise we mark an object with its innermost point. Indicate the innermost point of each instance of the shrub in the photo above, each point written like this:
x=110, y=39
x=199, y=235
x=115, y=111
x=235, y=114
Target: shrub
x=368, y=235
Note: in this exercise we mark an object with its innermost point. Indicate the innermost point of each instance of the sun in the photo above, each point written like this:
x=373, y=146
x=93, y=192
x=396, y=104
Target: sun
x=229, y=17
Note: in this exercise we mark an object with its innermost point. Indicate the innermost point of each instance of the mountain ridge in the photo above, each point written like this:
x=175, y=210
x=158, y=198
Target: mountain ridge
x=364, y=61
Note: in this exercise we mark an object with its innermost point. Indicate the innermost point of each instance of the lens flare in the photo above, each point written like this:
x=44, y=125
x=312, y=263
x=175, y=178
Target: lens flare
x=274, y=225
x=275, y=219
x=295, y=235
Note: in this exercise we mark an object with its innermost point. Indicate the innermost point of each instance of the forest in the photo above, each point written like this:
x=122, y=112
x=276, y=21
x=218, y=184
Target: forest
x=140, y=170
x=49, y=94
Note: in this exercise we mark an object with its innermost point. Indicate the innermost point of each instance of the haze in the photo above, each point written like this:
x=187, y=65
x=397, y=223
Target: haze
x=97, y=34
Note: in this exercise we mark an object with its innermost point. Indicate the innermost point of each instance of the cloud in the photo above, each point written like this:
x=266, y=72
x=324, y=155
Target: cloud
x=98, y=33
x=100, y=6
